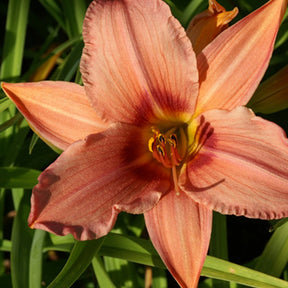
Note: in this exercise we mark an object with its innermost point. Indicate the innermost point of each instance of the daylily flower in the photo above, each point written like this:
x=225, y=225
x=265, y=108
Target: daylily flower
x=204, y=27
x=169, y=136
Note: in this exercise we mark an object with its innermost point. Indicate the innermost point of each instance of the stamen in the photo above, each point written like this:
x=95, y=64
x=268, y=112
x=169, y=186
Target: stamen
x=150, y=144
x=172, y=140
x=175, y=180
x=170, y=148
x=161, y=138
x=173, y=137
x=164, y=146
x=202, y=133
x=160, y=150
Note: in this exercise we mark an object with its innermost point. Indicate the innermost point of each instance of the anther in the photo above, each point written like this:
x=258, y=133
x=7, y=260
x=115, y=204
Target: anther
x=173, y=137
x=161, y=138
x=172, y=140
x=160, y=150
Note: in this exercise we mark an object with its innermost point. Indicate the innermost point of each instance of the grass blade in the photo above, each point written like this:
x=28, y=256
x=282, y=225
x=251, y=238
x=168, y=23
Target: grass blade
x=142, y=251
x=14, y=40
x=74, y=11
x=79, y=259
x=101, y=274
x=274, y=257
x=18, y=177
x=21, y=244
x=36, y=255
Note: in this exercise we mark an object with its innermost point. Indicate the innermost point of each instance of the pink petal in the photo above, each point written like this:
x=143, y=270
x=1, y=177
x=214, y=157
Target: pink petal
x=231, y=67
x=93, y=180
x=272, y=95
x=180, y=231
x=137, y=61
x=242, y=166
x=58, y=111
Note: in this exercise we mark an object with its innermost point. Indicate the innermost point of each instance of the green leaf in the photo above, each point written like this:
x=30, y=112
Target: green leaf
x=282, y=35
x=79, y=259
x=13, y=120
x=71, y=64
x=33, y=142
x=102, y=276
x=74, y=12
x=277, y=223
x=218, y=244
x=54, y=9
x=185, y=15
x=6, y=245
x=224, y=270
x=21, y=243
x=17, y=194
x=159, y=278
x=2, y=217
x=274, y=257
x=12, y=141
x=121, y=271
x=4, y=104
x=18, y=177
x=132, y=249
x=36, y=255
x=13, y=48
x=60, y=243
x=142, y=251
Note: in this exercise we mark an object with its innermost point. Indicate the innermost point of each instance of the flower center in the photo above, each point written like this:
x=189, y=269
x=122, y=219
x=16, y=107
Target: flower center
x=169, y=147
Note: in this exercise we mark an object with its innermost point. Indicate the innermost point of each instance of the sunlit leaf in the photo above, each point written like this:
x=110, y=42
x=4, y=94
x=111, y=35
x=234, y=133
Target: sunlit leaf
x=14, y=40
x=21, y=244
x=4, y=104
x=101, y=274
x=142, y=251
x=71, y=63
x=74, y=12
x=79, y=259
x=13, y=120
x=275, y=257
x=36, y=256
x=220, y=269
x=121, y=271
x=13, y=177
